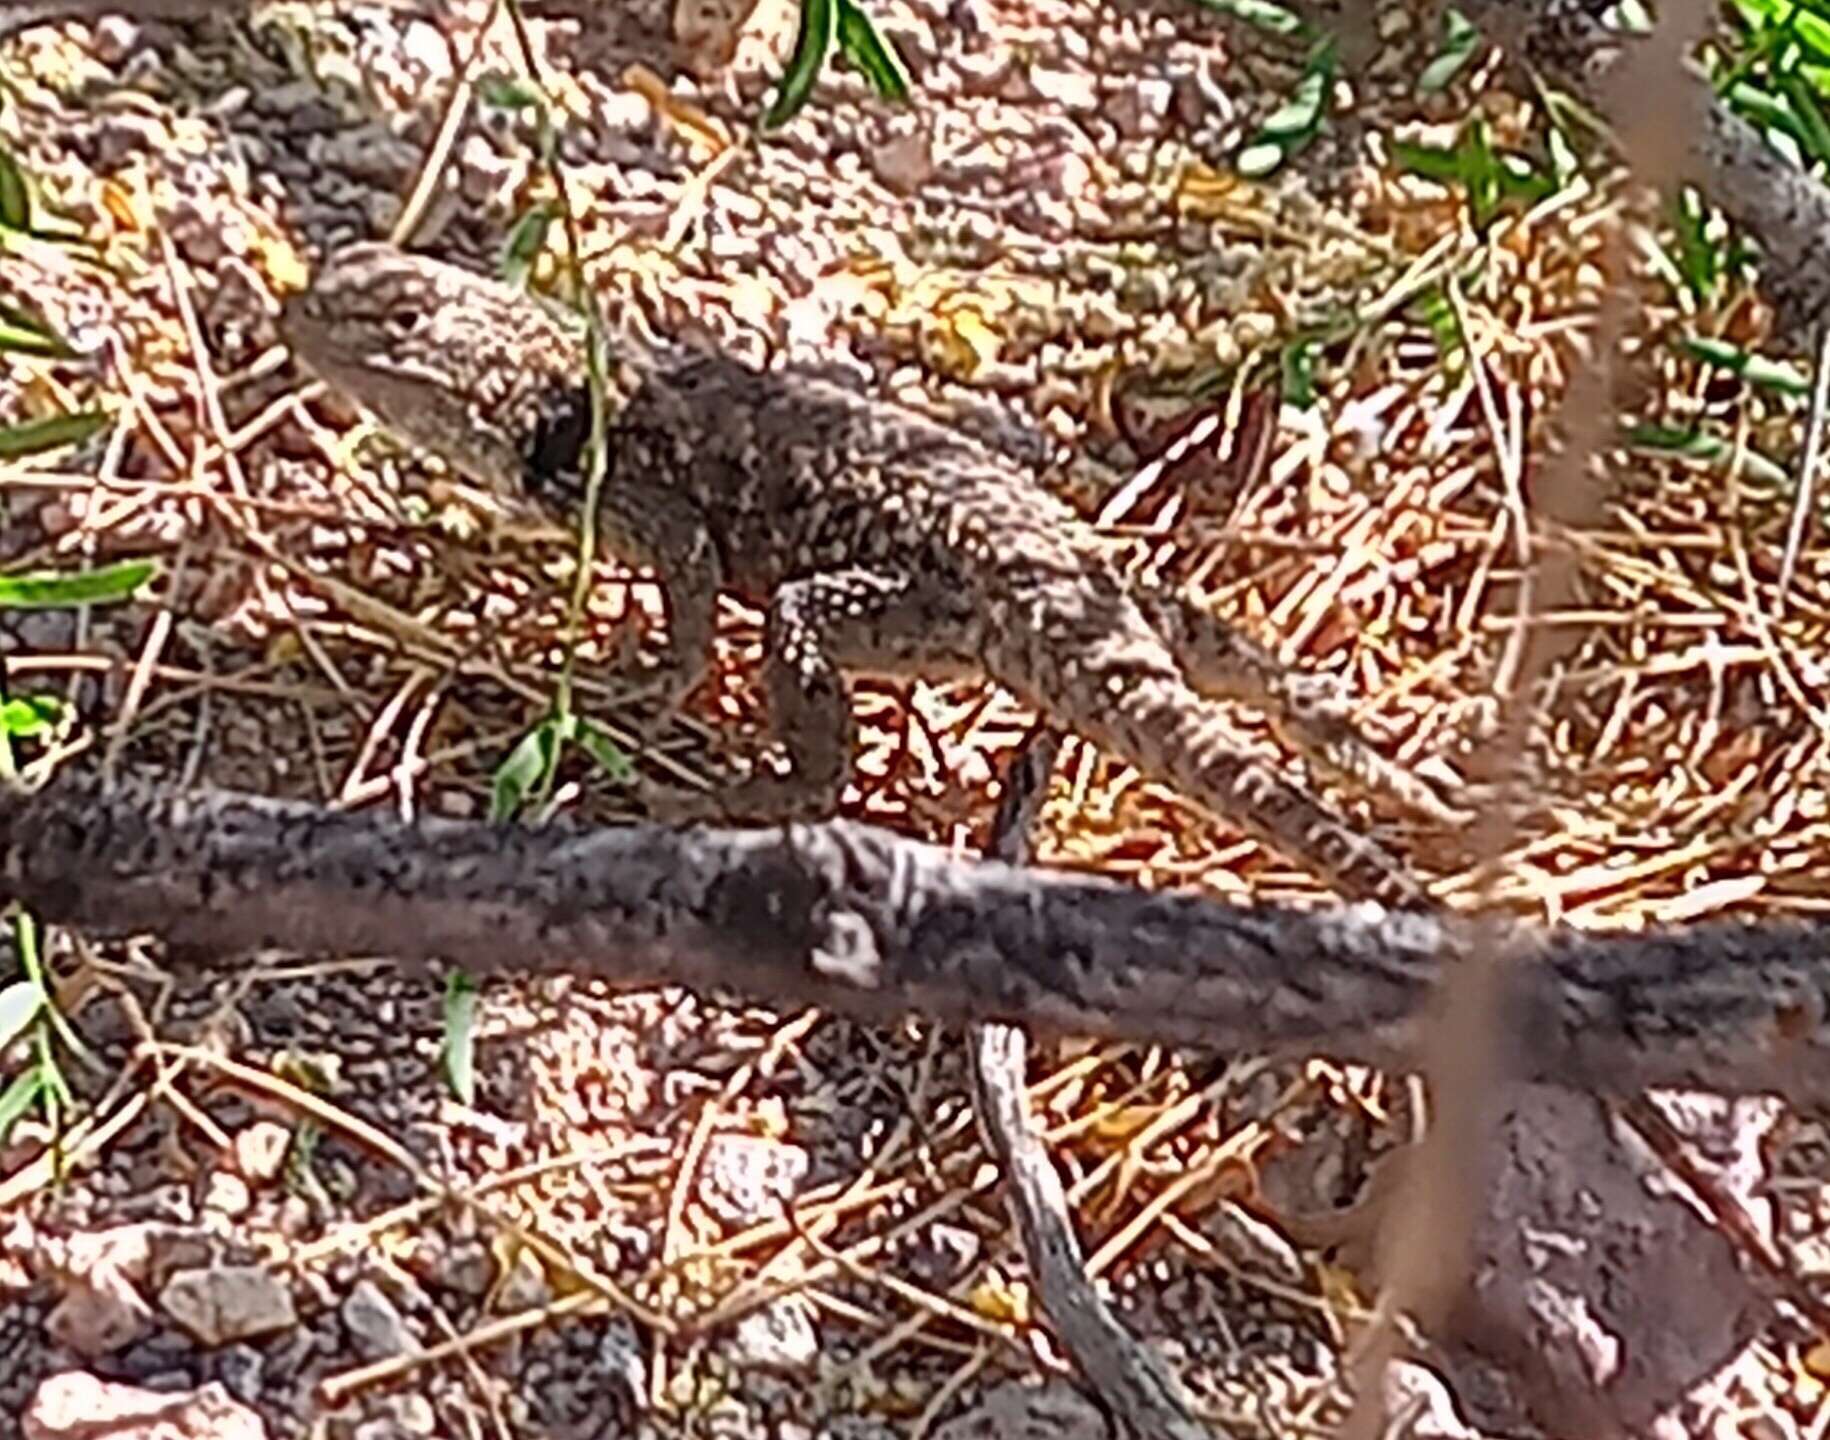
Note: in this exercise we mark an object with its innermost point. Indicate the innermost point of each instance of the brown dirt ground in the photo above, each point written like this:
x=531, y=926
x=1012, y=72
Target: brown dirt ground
x=1050, y=228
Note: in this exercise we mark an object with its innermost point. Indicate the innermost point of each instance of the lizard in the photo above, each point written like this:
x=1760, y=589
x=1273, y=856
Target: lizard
x=876, y=539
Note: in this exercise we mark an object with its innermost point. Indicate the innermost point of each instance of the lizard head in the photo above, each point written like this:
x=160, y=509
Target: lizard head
x=483, y=376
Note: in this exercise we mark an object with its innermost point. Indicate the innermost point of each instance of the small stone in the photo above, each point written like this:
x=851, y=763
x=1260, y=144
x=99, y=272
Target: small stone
x=945, y=1252
x=619, y=1358
x=79, y=1406
x=374, y=1324
x=525, y=1286
x=228, y=1303
x=747, y=1178
x=985, y=74
x=119, y=139
x=468, y=1270
x=1070, y=89
x=260, y=1150
x=456, y=804
x=1418, y=1393
x=227, y=1194
x=483, y=172
x=242, y=1368
x=412, y=1412
x=625, y=111
x=115, y=38
x=904, y=162
x=101, y=1310
x=780, y=1336
x=423, y=46
x=99, y=1316
x=1068, y=177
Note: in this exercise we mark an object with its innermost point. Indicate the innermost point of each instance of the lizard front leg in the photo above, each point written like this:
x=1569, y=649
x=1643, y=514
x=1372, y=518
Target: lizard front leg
x=819, y=628
x=659, y=530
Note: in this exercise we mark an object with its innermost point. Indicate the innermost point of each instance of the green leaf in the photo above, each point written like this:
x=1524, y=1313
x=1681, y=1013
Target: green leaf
x=1480, y=172
x=18, y=1098
x=527, y=768
x=1302, y=112
x=20, y=1003
x=1810, y=29
x=50, y=591
x=1813, y=130
x=1754, y=369
x=526, y=241
x=23, y=341
x=1460, y=43
x=1764, y=108
x=873, y=56
x=52, y=1084
x=15, y=194
x=52, y=432
x=1297, y=363
x=1261, y=13
x=1699, y=259
x=27, y=716
x=1432, y=162
x=1433, y=307
x=26, y=332
x=819, y=25
x=1522, y=180
x=604, y=751
x=1699, y=447
x=1289, y=129
x=1489, y=176
x=509, y=92
x=457, y=1055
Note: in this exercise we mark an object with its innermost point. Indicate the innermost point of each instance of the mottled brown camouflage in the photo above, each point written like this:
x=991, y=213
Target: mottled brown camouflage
x=879, y=540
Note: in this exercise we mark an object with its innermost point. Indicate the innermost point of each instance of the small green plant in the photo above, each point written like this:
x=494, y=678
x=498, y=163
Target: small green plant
x=1778, y=78
x=1753, y=369
x=1489, y=177
x=1460, y=42
x=825, y=23
x=527, y=774
x=1701, y=447
x=1293, y=126
x=1261, y=13
x=26, y=1002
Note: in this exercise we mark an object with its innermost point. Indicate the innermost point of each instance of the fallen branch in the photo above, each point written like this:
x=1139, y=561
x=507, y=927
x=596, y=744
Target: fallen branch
x=862, y=921
x=1132, y=1381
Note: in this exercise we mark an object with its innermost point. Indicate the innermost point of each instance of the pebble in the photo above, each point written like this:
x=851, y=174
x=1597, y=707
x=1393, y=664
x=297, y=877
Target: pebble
x=374, y=1324
x=780, y=1336
x=260, y=1150
x=227, y=1194
x=75, y=1405
x=228, y=1303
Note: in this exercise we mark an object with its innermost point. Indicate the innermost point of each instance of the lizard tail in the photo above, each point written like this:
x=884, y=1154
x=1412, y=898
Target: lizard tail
x=1160, y=724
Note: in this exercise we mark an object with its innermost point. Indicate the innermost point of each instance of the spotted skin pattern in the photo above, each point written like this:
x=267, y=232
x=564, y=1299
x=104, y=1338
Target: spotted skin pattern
x=878, y=540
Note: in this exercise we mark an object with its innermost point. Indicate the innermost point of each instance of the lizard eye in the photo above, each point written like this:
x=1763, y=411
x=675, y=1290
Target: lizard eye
x=555, y=456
